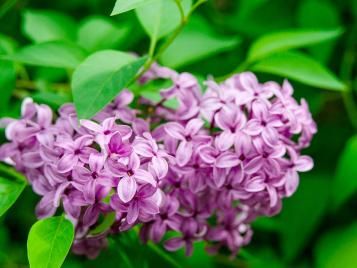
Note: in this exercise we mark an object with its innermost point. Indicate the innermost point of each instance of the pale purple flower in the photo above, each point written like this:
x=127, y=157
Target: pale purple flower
x=130, y=175
x=188, y=137
x=74, y=151
x=204, y=170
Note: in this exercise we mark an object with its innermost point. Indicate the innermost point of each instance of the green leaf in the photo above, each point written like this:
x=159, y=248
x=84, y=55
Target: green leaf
x=99, y=33
x=161, y=17
x=196, y=42
x=100, y=78
x=42, y=26
x=51, y=54
x=345, y=182
x=9, y=192
x=281, y=41
x=49, y=242
x=7, y=44
x=328, y=17
x=299, y=67
x=338, y=249
x=122, y=6
x=302, y=214
x=107, y=222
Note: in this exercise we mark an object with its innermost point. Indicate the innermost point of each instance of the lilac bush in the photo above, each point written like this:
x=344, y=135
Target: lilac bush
x=202, y=171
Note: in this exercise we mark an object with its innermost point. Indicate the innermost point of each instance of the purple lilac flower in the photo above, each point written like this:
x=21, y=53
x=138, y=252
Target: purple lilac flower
x=205, y=170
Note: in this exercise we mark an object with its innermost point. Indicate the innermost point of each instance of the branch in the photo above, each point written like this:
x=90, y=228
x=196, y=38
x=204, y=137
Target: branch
x=168, y=42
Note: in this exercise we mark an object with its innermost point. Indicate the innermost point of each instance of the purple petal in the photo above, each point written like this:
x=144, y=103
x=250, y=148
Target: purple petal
x=253, y=165
x=184, y=153
x=32, y=160
x=255, y=184
x=45, y=207
x=143, y=176
x=193, y=126
x=219, y=176
x=96, y=162
x=67, y=162
x=127, y=189
x=149, y=207
x=160, y=167
x=133, y=213
x=227, y=160
x=175, y=130
x=91, y=125
x=291, y=182
x=304, y=163
x=253, y=127
x=225, y=140
x=143, y=148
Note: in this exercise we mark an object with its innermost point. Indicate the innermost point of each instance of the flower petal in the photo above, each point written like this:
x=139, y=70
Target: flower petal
x=227, y=160
x=127, y=189
x=175, y=130
x=144, y=176
x=184, y=153
x=133, y=213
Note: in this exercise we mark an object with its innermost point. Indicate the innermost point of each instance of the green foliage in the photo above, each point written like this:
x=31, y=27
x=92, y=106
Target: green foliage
x=327, y=17
x=196, y=42
x=49, y=242
x=100, y=78
x=122, y=6
x=300, y=67
x=10, y=190
x=345, y=183
x=43, y=26
x=51, y=54
x=302, y=214
x=285, y=40
x=161, y=17
x=338, y=249
x=98, y=33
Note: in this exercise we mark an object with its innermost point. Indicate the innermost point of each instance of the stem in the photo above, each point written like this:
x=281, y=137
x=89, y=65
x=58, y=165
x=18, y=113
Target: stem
x=182, y=12
x=30, y=85
x=153, y=43
x=195, y=6
x=184, y=19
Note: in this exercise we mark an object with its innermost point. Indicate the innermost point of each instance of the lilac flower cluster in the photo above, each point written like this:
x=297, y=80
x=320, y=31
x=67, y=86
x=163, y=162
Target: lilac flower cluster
x=203, y=171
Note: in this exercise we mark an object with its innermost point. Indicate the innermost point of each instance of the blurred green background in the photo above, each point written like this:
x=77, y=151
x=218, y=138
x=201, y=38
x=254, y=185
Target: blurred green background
x=318, y=225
